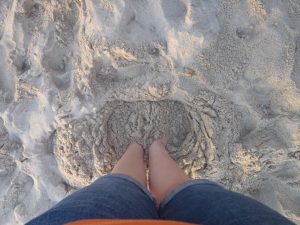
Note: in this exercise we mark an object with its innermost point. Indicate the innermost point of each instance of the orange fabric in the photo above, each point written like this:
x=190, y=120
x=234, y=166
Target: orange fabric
x=126, y=222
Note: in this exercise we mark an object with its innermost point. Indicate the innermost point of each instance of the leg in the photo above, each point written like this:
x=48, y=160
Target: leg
x=119, y=195
x=201, y=201
x=132, y=164
x=164, y=173
x=205, y=202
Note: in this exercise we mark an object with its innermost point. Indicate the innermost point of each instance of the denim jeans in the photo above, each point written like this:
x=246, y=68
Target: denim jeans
x=117, y=196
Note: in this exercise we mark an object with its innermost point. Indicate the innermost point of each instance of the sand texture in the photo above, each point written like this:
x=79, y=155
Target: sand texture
x=81, y=79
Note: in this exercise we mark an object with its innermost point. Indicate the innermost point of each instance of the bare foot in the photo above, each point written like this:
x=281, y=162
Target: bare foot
x=164, y=173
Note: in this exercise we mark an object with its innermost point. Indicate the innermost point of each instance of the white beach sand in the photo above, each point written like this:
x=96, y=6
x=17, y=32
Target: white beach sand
x=80, y=79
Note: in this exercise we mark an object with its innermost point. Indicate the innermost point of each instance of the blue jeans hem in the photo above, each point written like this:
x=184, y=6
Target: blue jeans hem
x=130, y=179
x=183, y=186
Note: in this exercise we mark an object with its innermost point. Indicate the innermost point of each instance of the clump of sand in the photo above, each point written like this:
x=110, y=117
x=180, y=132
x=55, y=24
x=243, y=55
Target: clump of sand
x=79, y=80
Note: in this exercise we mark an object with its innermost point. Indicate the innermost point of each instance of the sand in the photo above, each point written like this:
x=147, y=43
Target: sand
x=80, y=80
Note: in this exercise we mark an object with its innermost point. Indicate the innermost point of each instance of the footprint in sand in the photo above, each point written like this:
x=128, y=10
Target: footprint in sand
x=7, y=165
x=14, y=184
x=32, y=9
x=14, y=196
x=7, y=79
x=200, y=16
x=58, y=51
x=31, y=18
x=175, y=11
x=21, y=62
x=294, y=8
x=106, y=15
x=135, y=25
x=204, y=18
